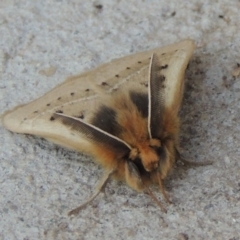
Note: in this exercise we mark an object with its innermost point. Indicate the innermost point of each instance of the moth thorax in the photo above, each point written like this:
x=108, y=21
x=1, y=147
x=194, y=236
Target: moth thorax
x=155, y=143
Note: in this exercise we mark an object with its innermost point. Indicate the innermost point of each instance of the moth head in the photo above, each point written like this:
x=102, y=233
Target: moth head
x=144, y=160
x=150, y=154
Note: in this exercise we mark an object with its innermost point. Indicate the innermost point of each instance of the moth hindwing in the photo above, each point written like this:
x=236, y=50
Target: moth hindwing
x=123, y=113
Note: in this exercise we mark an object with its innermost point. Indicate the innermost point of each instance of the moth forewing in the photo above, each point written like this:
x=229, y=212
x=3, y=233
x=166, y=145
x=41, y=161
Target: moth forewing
x=129, y=144
x=77, y=96
x=93, y=133
x=156, y=97
x=174, y=74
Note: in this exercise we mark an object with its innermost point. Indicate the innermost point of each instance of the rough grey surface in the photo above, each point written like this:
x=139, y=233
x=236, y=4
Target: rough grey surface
x=42, y=42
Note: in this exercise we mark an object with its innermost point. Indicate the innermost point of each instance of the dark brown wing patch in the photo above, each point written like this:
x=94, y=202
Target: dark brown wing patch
x=140, y=100
x=94, y=134
x=156, y=97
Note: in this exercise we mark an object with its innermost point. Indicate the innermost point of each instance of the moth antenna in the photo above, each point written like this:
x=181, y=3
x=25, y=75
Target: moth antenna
x=100, y=187
x=162, y=189
x=149, y=192
x=155, y=97
x=190, y=163
x=94, y=133
x=195, y=164
x=149, y=99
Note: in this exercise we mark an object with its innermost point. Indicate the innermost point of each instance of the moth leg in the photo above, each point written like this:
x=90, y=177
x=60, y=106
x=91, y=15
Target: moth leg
x=154, y=198
x=162, y=189
x=190, y=163
x=100, y=186
x=195, y=164
x=132, y=176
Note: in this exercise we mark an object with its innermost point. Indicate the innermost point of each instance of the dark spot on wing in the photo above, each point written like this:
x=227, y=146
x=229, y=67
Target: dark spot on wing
x=59, y=111
x=128, y=68
x=164, y=66
x=141, y=102
x=87, y=90
x=52, y=118
x=163, y=53
x=59, y=98
x=35, y=112
x=48, y=104
x=139, y=62
x=105, y=119
x=104, y=84
x=81, y=116
x=144, y=84
x=72, y=93
x=117, y=75
x=162, y=78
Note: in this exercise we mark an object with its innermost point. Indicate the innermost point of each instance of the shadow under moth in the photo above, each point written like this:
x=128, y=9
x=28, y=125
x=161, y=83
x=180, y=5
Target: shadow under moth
x=123, y=113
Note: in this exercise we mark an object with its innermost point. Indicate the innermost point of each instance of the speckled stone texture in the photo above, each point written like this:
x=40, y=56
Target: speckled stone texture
x=42, y=42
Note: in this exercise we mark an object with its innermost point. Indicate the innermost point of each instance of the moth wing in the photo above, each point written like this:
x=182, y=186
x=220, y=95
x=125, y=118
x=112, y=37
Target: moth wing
x=169, y=70
x=79, y=96
x=166, y=83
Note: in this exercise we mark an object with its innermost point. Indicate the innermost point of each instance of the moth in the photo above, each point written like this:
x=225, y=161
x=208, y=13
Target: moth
x=123, y=113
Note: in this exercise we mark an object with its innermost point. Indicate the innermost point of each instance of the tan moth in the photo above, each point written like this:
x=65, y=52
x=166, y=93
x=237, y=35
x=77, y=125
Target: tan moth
x=123, y=113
